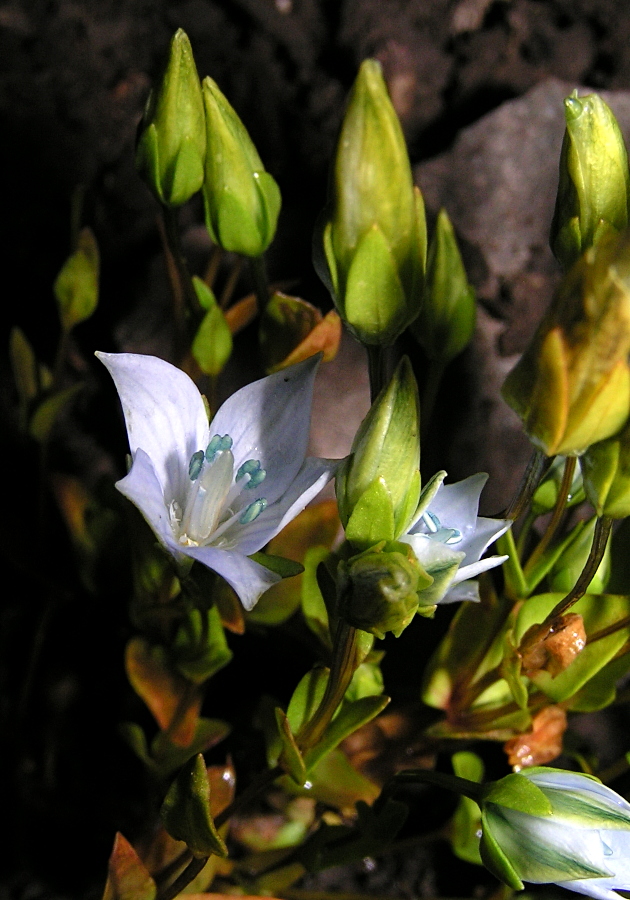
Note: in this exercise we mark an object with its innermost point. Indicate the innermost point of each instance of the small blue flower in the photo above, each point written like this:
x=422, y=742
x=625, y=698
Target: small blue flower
x=218, y=492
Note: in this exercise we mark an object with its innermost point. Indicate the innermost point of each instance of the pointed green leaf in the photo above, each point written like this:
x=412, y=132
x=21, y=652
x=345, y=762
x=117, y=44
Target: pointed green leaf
x=186, y=811
x=290, y=758
x=350, y=717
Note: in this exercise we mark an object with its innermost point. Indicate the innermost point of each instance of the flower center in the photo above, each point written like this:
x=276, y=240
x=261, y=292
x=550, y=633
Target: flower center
x=214, y=501
x=437, y=533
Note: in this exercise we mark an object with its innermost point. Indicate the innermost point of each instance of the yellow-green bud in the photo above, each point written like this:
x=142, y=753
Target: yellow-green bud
x=172, y=143
x=378, y=589
x=606, y=472
x=594, y=188
x=375, y=238
x=378, y=486
x=447, y=317
x=212, y=344
x=571, y=387
x=76, y=285
x=568, y=567
x=242, y=200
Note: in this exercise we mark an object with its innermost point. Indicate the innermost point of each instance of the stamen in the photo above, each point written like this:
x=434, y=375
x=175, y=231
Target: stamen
x=252, y=511
x=251, y=467
x=218, y=444
x=431, y=521
x=455, y=537
x=195, y=465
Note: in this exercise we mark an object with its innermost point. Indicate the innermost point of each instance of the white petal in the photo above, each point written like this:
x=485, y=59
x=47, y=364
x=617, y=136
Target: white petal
x=313, y=476
x=466, y=590
x=465, y=572
x=600, y=888
x=486, y=532
x=248, y=578
x=143, y=488
x=269, y=420
x=456, y=505
x=432, y=554
x=164, y=414
x=573, y=781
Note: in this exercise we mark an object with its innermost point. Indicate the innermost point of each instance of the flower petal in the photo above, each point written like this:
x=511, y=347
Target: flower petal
x=600, y=888
x=486, y=532
x=248, y=578
x=465, y=590
x=269, y=420
x=164, y=414
x=456, y=504
x=466, y=572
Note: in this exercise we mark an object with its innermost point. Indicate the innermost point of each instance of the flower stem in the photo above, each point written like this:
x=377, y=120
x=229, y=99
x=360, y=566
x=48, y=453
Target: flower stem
x=189, y=874
x=603, y=527
x=258, y=268
x=429, y=395
x=184, y=295
x=556, y=516
x=535, y=468
x=376, y=369
x=341, y=671
x=454, y=783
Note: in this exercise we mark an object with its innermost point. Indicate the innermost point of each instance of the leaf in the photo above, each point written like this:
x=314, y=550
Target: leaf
x=127, y=877
x=290, y=757
x=350, y=717
x=24, y=367
x=335, y=782
x=76, y=285
x=162, y=689
x=241, y=313
x=46, y=413
x=200, y=648
x=306, y=698
x=212, y=344
x=466, y=820
x=284, y=323
x=285, y=568
x=313, y=605
x=167, y=757
x=186, y=811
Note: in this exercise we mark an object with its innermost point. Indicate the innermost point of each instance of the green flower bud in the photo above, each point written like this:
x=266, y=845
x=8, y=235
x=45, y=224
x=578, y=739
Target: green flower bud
x=172, y=143
x=571, y=387
x=375, y=239
x=378, y=486
x=606, y=471
x=242, y=200
x=569, y=565
x=594, y=188
x=447, y=317
x=378, y=589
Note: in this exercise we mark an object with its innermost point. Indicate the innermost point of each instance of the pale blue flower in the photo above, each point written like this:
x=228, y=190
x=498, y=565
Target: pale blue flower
x=218, y=492
x=449, y=538
x=582, y=841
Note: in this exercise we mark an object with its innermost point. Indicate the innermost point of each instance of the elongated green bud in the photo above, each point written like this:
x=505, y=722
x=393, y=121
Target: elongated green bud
x=447, y=317
x=571, y=387
x=242, y=200
x=172, y=143
x=374, y=240
x=379, y=484
x=594, y=189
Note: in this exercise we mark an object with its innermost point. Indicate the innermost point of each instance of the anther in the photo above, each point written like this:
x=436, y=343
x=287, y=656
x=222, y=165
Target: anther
x=251, y=467
x=454, y=538
x=195, y=465
x=252, y=511
x=431, y=521
x=217, y=444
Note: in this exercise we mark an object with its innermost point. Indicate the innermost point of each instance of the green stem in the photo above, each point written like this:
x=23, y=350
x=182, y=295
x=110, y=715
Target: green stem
x=429, y=395
x=258, y=268
x=603, y=527
x=521, y=542
x=515, y=581
x=341, y=671
x=556, y=516
x=535, y=468
x=184, y=294
x=262, y=781
x=440, y=779
x=376, y=369
x=188, y=875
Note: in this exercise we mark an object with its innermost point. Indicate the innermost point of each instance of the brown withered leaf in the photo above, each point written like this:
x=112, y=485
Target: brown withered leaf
x=164, y=691
x=324, y=338
x=127, y=877
x=555, y=650
x=542, y=744
x=241, y=313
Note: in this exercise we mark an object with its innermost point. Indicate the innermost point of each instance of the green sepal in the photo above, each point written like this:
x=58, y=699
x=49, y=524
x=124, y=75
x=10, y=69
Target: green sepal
x=429, y=491
x=285, y=568
x=519, y=793
x=186, y=811
x=290, y=758
x=212, y=344
x=271, y=201
x=326, y=263
x=494, y=859
x=76, y=285
x=372, y=519
x=374, y=302
x=350, y=717
x=442, y=576
x=409, y=506
x=200, y=648
x=237, y=230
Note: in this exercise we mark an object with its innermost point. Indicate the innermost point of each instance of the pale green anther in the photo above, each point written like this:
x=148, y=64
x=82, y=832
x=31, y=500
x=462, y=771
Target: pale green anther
x=196, y=465
x=218, y=444
x=251, y=468
x=252, y=511
x=256, y=478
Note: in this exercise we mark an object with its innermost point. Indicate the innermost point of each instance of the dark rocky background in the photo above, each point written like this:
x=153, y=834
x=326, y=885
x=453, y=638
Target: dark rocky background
x=470, y=81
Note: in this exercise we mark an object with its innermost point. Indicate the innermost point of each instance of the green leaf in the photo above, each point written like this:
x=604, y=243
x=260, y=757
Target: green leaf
x=46, y=414
x=167, y=757
x=200, y=647
x=372, y=519
x=307, y=697
x=290, y=758
x=518, y=792
x=186, y=811
x=313, y=606
x=466, y=821
x=76, y=286
x=350, y=717
x=212, y=344
x=494, y=859
x=127, y=876
x=285, y=568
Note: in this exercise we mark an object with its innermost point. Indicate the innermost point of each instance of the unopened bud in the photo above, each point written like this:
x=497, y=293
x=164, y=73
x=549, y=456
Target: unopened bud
x=172, y=143
x=571, y=387
x=242, y=200
x=375, y=241
x=594, y=188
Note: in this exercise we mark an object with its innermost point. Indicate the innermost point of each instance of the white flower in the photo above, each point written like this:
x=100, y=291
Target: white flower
x=449, y=538
x=581, y=842
x=218, y=493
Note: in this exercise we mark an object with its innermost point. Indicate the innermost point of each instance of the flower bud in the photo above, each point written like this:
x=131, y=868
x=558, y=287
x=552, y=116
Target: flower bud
x=606, y=471
x=375, y=239
x=242, y=200
x=550, y=826
x=447, y=317
x=594, y=187
x=378, y=486
x=568, y=567
x=571, y=387
x=172, y=142
x=378, y=589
